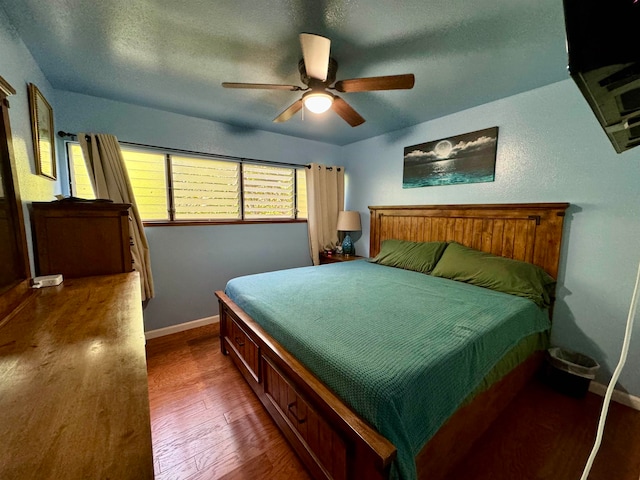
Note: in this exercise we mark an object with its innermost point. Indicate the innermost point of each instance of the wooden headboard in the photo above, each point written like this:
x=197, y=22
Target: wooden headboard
x=531, y=232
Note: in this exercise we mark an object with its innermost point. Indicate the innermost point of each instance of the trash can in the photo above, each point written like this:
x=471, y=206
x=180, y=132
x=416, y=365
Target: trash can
x=570, y=372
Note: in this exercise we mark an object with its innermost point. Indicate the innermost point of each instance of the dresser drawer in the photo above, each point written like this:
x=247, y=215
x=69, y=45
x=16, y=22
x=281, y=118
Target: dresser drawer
x=247, y=353
x=326, y=446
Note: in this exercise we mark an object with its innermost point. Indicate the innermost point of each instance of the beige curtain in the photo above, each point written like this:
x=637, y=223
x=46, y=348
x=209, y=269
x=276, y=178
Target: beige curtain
x=109, y=178
x=325, y=198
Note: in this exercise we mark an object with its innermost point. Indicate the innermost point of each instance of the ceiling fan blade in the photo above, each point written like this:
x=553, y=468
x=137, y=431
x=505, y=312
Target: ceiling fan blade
x=315, y=51
x=289, y=112
x=263, y=86
x=347, y=112
x=389, y=82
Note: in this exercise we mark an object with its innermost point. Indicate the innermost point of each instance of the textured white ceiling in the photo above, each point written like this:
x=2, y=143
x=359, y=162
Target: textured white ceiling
x=173, y=55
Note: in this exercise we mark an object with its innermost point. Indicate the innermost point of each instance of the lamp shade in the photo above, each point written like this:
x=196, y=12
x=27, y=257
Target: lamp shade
x=349, y=221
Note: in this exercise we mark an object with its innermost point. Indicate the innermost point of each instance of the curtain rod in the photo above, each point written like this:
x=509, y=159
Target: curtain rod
x=63, y=134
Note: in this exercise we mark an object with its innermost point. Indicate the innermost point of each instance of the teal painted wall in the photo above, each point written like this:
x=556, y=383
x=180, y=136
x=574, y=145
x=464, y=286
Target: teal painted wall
x=550, y=149
x=190, y=263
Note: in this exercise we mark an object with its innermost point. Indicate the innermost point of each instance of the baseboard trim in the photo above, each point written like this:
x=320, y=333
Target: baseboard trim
x=161, y=332
x=617, y=396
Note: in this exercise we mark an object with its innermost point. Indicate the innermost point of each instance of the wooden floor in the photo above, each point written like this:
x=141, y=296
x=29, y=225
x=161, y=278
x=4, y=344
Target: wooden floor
x=207, y=424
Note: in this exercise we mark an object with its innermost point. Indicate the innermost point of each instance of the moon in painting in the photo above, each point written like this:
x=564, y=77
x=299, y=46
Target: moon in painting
x=443, y=149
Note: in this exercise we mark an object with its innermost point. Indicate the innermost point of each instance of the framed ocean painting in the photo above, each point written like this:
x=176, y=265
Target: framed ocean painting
x=466, y=158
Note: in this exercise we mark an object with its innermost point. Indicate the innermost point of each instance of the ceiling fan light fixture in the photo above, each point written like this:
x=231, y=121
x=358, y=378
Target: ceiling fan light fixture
x=317, y=102
x=318, y=72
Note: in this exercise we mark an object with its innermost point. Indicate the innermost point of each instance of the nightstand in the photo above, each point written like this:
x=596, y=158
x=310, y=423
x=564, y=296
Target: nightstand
x=337, y=257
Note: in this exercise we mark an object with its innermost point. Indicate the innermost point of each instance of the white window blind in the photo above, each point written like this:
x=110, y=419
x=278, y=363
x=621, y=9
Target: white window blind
x=205, y=189
x=268, y=192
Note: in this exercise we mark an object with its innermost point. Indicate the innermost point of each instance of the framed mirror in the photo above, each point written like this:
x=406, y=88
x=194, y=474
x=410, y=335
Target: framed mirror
x=14, y=260
x=43, y=136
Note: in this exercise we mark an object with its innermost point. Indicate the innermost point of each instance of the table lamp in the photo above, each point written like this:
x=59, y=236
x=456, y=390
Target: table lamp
x=348, y=221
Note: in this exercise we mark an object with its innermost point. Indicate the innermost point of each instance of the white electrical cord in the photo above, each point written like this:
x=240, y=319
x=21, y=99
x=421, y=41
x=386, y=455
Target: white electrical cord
x=614, y=378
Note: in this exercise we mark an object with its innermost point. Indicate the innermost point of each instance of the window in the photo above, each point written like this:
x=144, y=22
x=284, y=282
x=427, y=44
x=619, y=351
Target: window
x=268, y=192
x=301, y=193
x=78, y=175
x=183, y=188
x=147, y=174
x=205, y=189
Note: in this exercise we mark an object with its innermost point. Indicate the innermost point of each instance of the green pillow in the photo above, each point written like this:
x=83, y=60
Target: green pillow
x=502, y=274
x=416, y=256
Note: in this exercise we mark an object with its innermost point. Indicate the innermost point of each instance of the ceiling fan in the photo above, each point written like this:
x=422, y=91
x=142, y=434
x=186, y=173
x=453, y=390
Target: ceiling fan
x=318, y=72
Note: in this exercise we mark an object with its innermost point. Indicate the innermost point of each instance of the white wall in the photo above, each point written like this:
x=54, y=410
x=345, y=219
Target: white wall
x=550, y=149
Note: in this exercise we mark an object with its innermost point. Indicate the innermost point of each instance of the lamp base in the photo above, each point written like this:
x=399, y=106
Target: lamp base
x=347, y=246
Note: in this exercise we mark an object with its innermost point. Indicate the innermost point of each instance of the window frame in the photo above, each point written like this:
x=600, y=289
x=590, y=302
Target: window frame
x=172, y=221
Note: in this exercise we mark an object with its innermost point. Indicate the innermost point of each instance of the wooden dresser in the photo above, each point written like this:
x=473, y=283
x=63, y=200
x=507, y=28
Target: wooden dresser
x=74, y=399
x=79, y=239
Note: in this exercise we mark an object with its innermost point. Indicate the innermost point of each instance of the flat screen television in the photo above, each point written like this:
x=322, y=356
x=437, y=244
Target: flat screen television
x=603, y=44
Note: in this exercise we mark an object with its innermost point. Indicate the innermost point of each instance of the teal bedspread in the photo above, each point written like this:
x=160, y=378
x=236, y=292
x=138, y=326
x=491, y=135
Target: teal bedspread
x=403, y=349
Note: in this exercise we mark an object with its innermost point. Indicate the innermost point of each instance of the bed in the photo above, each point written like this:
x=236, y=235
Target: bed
x=317, y=411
